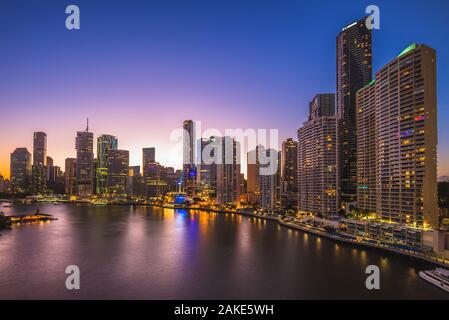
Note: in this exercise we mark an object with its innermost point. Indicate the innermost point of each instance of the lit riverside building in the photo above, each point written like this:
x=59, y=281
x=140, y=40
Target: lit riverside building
x=403, y=100
x=206, y=171
x=189, y=156
x=366, y=148
x=70, y=176
x=203, y=177
x=50, y=163
x=85, y=162
x=228, y=171
x=148, y=156
x=39, y=168
x=154, y=185
x=172, y=177
x=269, y=184
x=136, y=183
x=289, y=173
x=54, y=175
x=105, y=143
x=20, y=169
x=118, y=170
x=252, y=172
x=2, y=183
x=155, y=180
x=317, y=176
x=354, y=70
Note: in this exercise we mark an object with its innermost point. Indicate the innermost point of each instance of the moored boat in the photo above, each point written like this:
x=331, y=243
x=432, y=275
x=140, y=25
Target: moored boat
x=438, y=277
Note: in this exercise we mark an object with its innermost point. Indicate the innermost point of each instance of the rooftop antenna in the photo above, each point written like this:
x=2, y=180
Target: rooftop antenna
x=87, y=128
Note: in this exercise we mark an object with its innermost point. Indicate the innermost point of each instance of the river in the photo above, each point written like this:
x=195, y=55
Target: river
x=137, y=252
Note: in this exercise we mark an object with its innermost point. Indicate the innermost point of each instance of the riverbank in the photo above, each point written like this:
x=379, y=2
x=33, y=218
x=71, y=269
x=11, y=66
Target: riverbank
x=336, y=236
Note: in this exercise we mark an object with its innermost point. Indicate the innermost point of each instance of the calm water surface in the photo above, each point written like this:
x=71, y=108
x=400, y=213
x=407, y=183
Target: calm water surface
x=128, y=252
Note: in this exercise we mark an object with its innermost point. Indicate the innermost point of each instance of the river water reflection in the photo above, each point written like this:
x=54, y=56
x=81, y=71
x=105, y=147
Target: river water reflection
x=131, y=252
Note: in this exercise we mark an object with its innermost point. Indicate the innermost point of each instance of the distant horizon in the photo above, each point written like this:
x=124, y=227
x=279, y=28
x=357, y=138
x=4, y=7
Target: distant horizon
x=138, y=73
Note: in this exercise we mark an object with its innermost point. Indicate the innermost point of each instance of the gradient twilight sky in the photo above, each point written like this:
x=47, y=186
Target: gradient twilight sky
x=137, y=69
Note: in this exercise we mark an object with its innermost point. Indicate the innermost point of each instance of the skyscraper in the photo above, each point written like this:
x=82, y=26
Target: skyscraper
x=85, y=162
x=228, y=171
x=40, y=148
x=252, y=172
x=366, y=148
x=189, y=156
x=2, y=183
x=155, y=180
x=136, y=182
x=354, y=70
x=317, y=176
x=172, y=176
x=55, y=180
x=148, y=160
x=203, y=178
x=50, y=161
x=70, y=176
x=322, y=105
x=118, y=170
x=405, y=128
x=269, y=181
x=105, y=143
x=20, y=169
x=39, y=168
x=154, y=186
x=206, y=171
x=148, y=156
x=289, y=172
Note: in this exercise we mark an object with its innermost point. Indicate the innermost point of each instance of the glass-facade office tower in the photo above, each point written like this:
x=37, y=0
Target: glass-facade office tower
x=172, y=177
x=252, y=168
x=189, y=157
x=85, y=162
x=39, y=168
x=403, y=105
x=70, y=176
x=105, y=143
x=317, y=174
x=136, y=182
x=228, y=171
x=269, y=180
x=289, y=172
x=203, y=168
x=252, y=173
x=2, y=184
x=155, y=180
x=40, y=148
x=152, y=172
x=206, y=170
x=118, y=170
x=50, y=163
x=354, y=70
x=20, y=168
x=148, y=156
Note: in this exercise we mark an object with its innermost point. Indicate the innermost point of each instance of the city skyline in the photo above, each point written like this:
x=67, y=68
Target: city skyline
x=223, y=96
x=211, y=139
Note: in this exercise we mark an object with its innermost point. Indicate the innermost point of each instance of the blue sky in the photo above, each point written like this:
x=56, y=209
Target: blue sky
x=138, y=68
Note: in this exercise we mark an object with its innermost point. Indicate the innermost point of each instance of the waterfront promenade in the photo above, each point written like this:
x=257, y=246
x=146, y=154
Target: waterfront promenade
x=336, y=235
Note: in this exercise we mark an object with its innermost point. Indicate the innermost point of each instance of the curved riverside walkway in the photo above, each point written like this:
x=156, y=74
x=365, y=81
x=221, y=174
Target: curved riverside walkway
x=342, y=237
x=350, y=239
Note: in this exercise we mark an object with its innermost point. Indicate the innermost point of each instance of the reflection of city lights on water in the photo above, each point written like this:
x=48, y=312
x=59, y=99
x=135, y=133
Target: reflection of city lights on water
x=363, y=256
